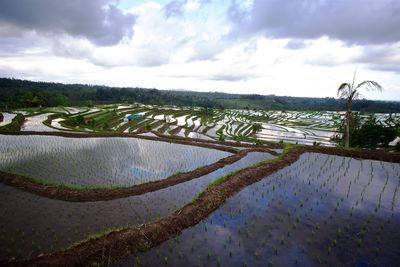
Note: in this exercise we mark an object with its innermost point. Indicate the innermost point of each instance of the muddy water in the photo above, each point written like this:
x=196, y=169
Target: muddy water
x=32, y=225
x=321, y=211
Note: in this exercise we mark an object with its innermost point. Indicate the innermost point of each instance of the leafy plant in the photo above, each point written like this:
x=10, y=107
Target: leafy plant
x=350, y=92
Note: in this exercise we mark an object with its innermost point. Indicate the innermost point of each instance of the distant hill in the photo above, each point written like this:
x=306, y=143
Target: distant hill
x=22, y=93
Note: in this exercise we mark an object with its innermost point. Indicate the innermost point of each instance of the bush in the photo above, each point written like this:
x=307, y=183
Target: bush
x=397, y=147
x=372, y=136
x=15, y=125
x=256, y=127
x=147, y=127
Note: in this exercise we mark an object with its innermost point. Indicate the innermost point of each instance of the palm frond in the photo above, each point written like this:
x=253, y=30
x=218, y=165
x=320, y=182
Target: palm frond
x=343, y=90
x=370, y=86
x=359, y=96
x=354, y=95
x=354, y=78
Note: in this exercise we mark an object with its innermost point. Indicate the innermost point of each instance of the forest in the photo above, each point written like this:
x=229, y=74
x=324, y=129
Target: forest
x=16, y=93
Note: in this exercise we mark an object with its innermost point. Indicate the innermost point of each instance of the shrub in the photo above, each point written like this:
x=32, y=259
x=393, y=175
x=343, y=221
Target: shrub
x=15, y=125
x=147, y=127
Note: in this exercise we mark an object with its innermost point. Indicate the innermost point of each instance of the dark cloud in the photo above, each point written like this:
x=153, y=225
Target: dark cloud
x=352, y=21
x=382, y=58
x=12, y=46
x=386, y=67
x=380, y=54
x=100, y=21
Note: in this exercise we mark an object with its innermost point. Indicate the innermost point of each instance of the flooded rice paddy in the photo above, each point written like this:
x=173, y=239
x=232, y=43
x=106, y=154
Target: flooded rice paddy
x=322, y=210
x=38, y=225
x=100, y=161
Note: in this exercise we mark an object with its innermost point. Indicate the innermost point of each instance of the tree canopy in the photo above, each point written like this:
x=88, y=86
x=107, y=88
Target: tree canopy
x=21, y=93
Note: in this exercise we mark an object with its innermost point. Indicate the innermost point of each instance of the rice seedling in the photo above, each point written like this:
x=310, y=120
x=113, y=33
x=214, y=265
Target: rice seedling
x=281, y=210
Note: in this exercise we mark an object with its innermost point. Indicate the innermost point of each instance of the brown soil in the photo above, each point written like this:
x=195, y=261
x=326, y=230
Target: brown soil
x=119, y=244
x=73, y=195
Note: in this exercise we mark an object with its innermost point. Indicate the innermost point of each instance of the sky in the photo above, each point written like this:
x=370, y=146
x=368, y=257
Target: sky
x=292, y=47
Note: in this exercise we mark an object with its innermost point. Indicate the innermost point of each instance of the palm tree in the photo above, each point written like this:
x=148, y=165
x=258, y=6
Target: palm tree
x=350, y=92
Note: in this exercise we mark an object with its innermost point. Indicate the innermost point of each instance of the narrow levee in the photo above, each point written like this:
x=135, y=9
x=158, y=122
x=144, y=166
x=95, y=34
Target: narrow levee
x=55, y=225
x=119, y=244
x=321, y=210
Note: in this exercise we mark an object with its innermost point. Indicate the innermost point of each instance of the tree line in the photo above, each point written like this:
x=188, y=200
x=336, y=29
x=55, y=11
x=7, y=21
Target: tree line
x=16, y=93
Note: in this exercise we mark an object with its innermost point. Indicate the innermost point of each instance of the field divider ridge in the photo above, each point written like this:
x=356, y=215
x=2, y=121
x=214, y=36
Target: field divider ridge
x=125, y=242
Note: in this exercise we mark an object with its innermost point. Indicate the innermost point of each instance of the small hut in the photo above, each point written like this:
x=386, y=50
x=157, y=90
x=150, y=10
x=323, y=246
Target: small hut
x=134, y=116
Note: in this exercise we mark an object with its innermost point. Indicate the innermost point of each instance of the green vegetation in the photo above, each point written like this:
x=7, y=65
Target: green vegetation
x=299, y=188
x=257, y=127
x=253, y=221
x=350, y=92
x=222, y=179
x=204, y=115
x=15, y=125
x=20, y=93
x=372, y=135
x=286, y=149
x=216, y=182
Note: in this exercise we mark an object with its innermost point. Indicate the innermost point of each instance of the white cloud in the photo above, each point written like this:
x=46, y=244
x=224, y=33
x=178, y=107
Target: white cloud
x=158, y=40
x=194, y=51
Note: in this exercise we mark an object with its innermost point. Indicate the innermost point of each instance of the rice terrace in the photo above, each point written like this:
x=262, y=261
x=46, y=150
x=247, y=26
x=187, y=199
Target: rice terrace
x=199, y=133
x=150, y=185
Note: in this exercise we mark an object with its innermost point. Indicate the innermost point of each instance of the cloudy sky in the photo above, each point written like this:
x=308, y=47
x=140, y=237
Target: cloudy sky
x=292, y=47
